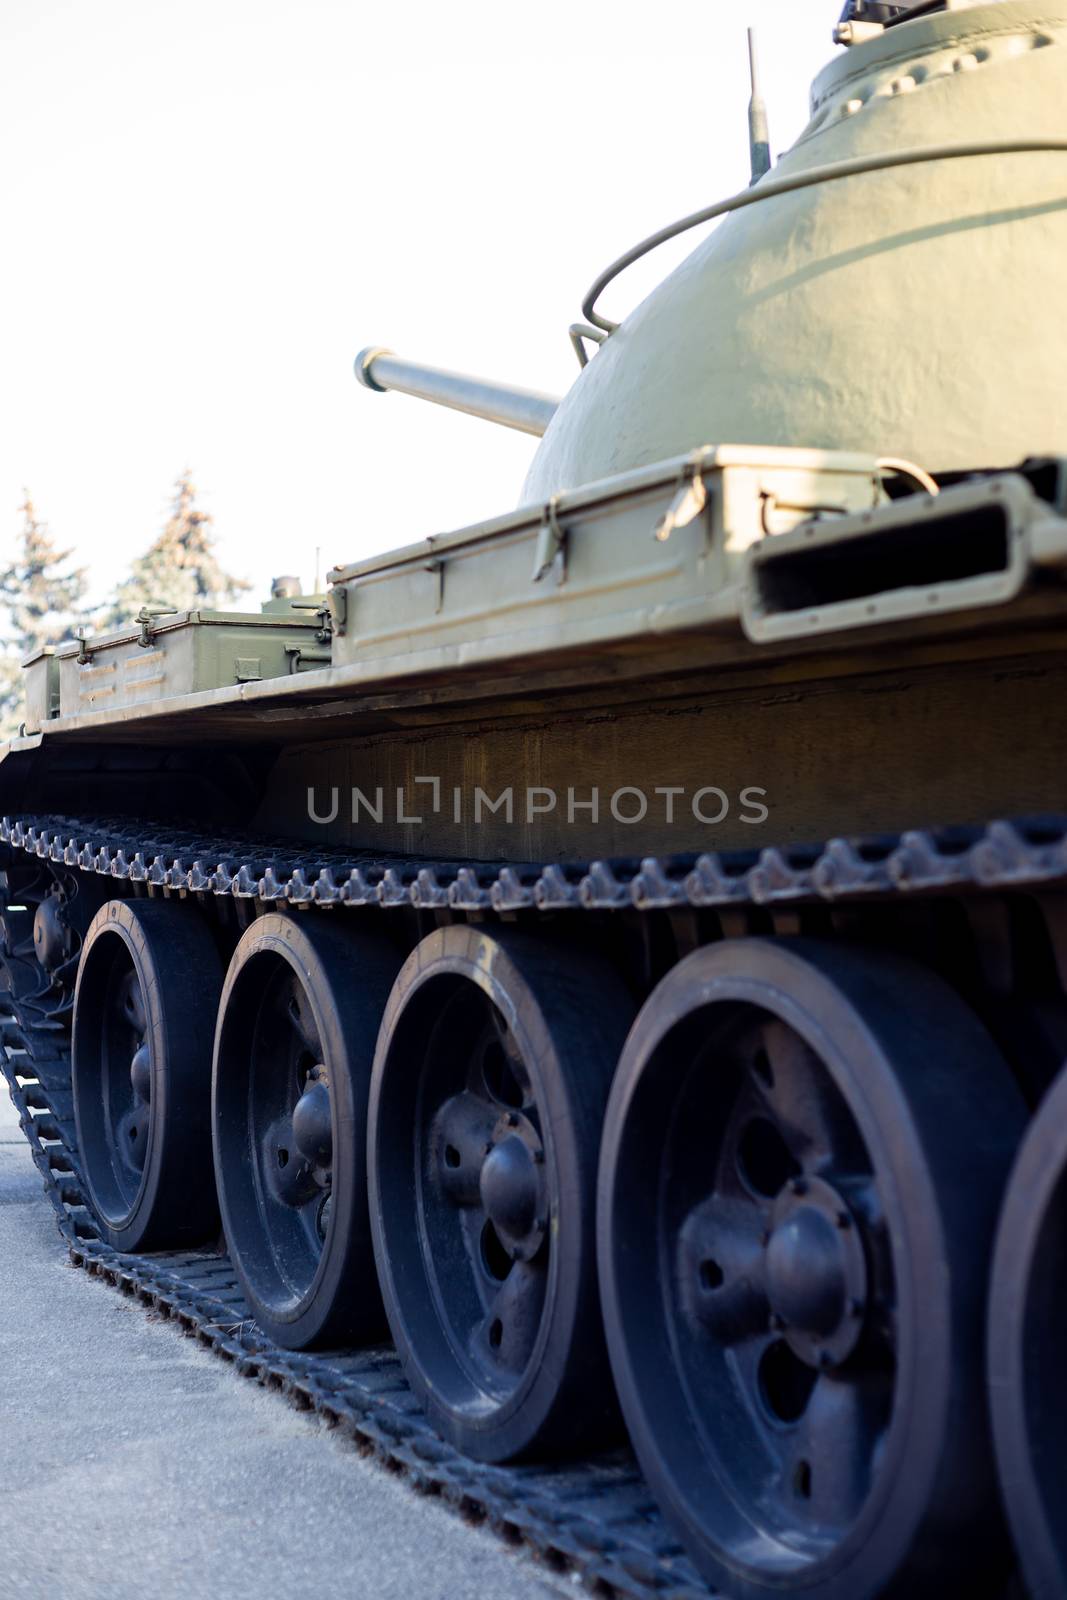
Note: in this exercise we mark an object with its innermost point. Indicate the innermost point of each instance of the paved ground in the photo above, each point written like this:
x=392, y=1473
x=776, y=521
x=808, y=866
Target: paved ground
x=135, y=1464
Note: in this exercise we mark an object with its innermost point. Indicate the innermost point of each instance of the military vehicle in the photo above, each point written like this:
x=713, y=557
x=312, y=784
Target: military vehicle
x=620, y=947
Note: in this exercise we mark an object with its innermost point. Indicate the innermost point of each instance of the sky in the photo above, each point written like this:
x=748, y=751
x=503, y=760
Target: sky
x=210, y=206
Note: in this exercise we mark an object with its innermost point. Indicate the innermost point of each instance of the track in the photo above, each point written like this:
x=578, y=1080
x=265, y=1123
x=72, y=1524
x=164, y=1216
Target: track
x=1021, y=854
x=596, y=1519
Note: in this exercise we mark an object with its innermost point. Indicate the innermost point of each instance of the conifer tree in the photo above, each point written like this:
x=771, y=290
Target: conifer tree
x=179, y=570
x=40, y=601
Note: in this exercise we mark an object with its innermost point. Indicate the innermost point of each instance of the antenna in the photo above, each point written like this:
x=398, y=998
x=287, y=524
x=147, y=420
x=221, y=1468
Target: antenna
x=759, y=138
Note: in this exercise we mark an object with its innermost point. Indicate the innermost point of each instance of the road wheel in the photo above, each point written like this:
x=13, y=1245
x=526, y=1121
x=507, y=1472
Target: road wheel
x=1027, y=1334
x=297, y=1024
x=804, y=1152
x=144, y=1016
x=490, y=1081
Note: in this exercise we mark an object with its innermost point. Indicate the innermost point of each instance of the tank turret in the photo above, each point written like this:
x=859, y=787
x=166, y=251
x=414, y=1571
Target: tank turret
x=860, y=314
x=842, y=302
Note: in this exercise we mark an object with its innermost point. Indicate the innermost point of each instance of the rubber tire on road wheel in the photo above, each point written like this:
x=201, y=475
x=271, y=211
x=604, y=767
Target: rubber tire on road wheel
x=347, y=977
x=178, y=969
x=940, y=1117
x=568, y=1013
x=1027, y=1337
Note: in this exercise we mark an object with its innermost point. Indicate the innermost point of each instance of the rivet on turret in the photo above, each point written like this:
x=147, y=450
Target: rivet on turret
x=965, y=63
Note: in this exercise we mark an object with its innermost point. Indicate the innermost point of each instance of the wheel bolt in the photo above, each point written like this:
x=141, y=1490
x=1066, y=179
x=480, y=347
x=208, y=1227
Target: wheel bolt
x=513, y=1119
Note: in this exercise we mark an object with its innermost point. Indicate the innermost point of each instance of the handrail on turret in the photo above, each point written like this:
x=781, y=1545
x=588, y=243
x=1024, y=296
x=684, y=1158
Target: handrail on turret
x=770, y=188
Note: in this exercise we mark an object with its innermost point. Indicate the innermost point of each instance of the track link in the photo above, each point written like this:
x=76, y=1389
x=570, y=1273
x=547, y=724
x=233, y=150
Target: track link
x=1027, y=853
x=596, y=1519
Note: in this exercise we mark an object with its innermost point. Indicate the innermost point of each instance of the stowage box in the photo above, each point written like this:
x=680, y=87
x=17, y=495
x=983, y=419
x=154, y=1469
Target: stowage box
x=183, y=653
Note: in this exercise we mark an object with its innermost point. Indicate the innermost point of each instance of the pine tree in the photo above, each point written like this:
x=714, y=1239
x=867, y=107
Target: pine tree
x=179, y=570
x=40, y=601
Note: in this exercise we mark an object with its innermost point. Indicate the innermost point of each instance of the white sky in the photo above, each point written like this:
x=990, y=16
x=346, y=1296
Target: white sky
x=211, y=205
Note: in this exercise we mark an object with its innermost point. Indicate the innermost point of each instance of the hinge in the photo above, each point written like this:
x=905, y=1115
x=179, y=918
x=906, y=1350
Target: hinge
x=146, y=619
x=436, y=566
x=689, y=500
x=324, y=611
x=551, y=543
x=337, y=600
x=297, y=656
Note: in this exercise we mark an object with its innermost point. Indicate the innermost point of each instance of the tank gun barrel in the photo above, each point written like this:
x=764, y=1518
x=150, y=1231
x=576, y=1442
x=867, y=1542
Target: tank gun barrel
x=526, y=409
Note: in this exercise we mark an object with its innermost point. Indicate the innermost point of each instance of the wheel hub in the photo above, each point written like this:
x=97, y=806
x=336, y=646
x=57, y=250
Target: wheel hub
x=511, y=1192
x=312, y=1124
x=50, y=933
x=816, y=1274
x=141, y=1072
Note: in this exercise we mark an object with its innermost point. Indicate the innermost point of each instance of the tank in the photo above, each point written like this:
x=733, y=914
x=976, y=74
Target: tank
x=614, y=953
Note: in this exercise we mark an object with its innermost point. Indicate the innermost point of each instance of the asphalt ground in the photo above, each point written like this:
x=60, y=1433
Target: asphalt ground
x=134, y=1464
